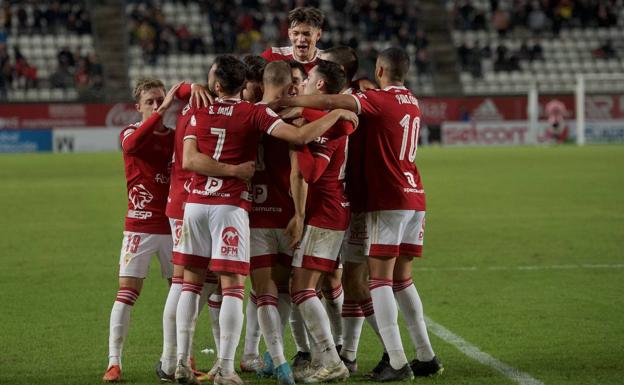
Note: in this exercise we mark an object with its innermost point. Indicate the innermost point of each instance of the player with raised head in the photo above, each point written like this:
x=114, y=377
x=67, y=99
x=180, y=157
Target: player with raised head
x=357, y=301
x=321, y=163
x=147, y=147
x=395, y=208
x=215, y=232
x=305, y=26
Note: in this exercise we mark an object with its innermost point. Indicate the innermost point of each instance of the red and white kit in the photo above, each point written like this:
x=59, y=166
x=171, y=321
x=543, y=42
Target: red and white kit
x=216, y=223
x=396, y=199
x=147, y=156
x=272, y=205
x=323, y=163
x=286, y=53
x=356, y=235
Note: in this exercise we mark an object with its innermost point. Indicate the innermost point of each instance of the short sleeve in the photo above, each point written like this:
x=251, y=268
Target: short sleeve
x=265, y=119
x=364, y=106
x=190, y=131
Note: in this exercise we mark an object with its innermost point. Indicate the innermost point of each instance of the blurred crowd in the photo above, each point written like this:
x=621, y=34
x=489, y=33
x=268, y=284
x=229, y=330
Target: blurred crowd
x=504, y=59
x=537, y=16
x=73, y=71
x=250, y=26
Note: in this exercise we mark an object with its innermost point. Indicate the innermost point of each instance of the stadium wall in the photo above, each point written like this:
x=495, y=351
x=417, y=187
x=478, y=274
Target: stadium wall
x=459, y=121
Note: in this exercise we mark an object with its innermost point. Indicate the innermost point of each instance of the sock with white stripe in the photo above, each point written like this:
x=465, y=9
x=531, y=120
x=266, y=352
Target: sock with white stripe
x=317, y=324
x=352, y=321
x=333, y=305
x=411, y=306
x=369, y=314
x=298, y=329
x=231, y=321
x=252, y=328
x=119, y=323
x=214, y=308
x=270, y=324
x=186, y=317
x=386, y=313
x=168, y=357
x=284, y=305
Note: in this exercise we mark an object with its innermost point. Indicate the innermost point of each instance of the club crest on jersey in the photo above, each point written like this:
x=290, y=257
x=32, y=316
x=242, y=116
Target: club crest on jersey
x=139, y=196
x=230, y=237
x=259, y=193
x=177, y=231
x=127, y=258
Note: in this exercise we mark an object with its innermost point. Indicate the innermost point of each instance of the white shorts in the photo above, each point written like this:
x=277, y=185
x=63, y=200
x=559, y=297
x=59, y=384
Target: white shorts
x=176, y=230
x=395, y=233
x=268, y=247
x=216, y=236
x=137, y=250
x=319, y=249
x=354, y=239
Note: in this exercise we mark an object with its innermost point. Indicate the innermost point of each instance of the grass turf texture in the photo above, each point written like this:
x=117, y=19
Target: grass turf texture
x=61, y=223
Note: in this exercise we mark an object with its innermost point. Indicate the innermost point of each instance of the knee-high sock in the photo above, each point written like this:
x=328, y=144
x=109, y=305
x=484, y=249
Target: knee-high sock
x=270, y=324
x=168, y=357
x=214, y=307
x=298, y=329
x=352, y=320
x=317, y=323
x=186, y=317
x=386, y=313
x=284, y=305
x=119, y=323
x=252, y=329
x=411, y=306
x=231, y=321
x=333, y=305
x=369, y=313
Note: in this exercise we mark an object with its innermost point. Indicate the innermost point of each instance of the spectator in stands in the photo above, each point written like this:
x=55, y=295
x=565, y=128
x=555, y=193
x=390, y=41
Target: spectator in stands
x=501, y=21
x=25, y=73
x=605, y=51
x=536, y=19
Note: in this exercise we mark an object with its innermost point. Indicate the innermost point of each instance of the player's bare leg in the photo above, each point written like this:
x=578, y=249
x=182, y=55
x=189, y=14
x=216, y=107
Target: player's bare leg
x=186, y=318
x=231, y=322
x=333, y=293
x=411, y=307
x=129, y=290
x=380, y=284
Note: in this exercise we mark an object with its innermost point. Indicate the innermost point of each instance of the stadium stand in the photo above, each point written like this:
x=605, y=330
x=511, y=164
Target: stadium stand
x=503, y=46
x=47, y=52
x=176, y=40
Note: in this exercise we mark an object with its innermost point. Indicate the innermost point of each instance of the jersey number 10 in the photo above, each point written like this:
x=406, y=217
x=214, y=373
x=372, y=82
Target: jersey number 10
x=415, y=130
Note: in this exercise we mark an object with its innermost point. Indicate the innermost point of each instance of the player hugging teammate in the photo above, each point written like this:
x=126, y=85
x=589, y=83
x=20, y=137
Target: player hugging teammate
x=284, y=171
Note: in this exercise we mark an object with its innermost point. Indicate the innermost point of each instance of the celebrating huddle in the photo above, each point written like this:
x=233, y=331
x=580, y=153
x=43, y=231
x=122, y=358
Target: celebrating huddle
x=288, y=170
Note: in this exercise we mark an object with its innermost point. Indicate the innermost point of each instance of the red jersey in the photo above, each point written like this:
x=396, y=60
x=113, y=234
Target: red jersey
x=273, y=206
x=180, y=179
x=391, y=119
x=327, y=204
x=229, y=131
x=147, y=159
x=286, y=53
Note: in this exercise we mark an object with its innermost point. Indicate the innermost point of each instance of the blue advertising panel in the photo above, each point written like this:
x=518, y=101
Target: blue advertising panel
x=25, y=140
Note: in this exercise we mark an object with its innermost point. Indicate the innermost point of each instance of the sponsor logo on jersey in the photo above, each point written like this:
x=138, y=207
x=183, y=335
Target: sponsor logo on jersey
x=162, y=178
x=187, y=185
x=213, y=184
x=139, y=196
x=138, y=214
x=260, y=193
x=412, y=182
x=230, y=237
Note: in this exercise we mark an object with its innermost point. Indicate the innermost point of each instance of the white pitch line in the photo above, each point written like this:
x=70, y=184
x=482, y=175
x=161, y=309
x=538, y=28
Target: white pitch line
x=525, y=268
x=476, y=354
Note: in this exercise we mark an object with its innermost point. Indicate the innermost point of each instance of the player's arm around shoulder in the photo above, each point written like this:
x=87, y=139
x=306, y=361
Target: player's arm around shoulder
x=319, y=102
x=312, y=130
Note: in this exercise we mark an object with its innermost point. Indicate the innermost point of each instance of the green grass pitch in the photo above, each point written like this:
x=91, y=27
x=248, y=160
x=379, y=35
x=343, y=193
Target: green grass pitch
x=524, y=258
